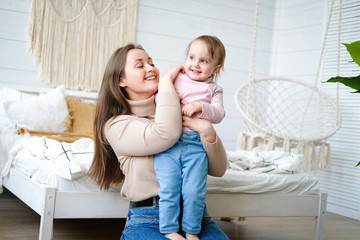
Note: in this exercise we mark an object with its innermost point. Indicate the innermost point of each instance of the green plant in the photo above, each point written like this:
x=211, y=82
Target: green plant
x=352, y=82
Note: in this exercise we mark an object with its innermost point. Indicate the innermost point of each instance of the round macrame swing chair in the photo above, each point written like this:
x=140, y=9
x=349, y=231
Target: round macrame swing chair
x=288, y=113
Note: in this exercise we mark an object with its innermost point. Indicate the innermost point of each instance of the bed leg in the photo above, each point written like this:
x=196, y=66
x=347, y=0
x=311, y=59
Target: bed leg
x=320, y=219
x=47, y=217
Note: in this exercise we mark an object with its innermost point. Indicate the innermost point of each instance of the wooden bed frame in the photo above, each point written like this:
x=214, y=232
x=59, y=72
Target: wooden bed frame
x=51, y=204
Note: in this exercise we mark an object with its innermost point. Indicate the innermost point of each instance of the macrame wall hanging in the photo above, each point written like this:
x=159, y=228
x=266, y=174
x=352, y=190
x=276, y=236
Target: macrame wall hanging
x=72, y=40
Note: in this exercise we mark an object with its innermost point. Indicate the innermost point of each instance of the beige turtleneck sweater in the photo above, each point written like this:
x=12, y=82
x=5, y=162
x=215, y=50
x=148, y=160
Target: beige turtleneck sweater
x=136, y=138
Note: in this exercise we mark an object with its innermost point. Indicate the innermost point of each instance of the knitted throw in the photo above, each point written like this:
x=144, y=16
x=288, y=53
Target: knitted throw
x=72, y=40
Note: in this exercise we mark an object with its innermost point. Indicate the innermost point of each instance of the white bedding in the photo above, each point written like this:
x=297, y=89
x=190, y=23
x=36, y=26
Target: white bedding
x=49, y=162
x=63, y=166
x=265, y=183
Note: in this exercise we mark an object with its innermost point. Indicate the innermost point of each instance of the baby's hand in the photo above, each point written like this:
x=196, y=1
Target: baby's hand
x=190, y=109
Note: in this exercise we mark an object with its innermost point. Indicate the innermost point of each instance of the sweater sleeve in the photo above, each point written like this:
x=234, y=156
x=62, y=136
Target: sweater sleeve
x=139, y=136
x=214, y=111
x=217, y=157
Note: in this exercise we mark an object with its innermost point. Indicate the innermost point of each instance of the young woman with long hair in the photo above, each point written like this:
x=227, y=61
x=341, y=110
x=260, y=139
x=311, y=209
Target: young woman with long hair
x=130, y=128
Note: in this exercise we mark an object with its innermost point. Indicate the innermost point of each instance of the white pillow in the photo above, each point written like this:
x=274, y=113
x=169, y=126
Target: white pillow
x=46, y=112
x=6, y=94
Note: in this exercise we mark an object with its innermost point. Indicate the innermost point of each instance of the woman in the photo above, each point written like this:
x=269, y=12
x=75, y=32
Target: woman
x=130, y=129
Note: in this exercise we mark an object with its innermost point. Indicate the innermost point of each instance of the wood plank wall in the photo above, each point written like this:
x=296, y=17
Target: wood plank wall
x=164, y=28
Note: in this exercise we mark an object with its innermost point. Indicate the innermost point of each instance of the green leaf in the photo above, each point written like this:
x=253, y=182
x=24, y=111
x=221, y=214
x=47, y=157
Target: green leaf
x=358, y=164
x=353, y=82
x=354, y=50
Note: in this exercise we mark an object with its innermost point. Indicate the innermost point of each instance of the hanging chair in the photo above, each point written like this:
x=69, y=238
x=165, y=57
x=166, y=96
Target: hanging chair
x=288, y=113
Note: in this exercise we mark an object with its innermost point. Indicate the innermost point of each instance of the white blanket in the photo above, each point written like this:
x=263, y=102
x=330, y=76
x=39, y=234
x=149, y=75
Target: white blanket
x=68, y=160
x=265, y=161
x=72, y=160
x=60, y=165
x=39, y=157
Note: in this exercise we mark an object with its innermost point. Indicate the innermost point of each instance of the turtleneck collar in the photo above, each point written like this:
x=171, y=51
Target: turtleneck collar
x=208, y=80
x=143, y=108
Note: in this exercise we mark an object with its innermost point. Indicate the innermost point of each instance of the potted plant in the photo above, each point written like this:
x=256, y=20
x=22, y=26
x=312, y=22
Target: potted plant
x=352, y=82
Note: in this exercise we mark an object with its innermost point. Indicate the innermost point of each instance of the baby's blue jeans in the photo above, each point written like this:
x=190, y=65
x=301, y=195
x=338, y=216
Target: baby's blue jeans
x=182, y=171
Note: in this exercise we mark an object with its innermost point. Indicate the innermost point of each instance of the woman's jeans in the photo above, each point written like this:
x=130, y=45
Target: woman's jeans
x=182, y=171
x=143, y=224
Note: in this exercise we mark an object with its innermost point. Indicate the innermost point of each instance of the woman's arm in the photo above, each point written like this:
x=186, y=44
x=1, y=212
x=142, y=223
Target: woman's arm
x=138, y=135
x=213, y=146
x=166, y=81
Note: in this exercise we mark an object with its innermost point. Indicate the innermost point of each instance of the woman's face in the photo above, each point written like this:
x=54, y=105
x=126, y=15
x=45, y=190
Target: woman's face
x=141, y=78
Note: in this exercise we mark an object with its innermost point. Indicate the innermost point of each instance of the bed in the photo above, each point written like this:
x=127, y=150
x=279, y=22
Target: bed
x=56, y=186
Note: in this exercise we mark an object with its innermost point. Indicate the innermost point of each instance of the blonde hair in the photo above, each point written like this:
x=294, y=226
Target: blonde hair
x=215, y=47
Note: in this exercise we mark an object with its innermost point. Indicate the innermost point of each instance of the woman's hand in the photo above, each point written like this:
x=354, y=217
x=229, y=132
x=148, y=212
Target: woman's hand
x=166, y=81
x=173, y=71
x=202, y=126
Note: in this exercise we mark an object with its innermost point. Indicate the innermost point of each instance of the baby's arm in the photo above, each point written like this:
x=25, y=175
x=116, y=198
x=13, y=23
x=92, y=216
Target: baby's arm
x=190, y=109
x=213, y=111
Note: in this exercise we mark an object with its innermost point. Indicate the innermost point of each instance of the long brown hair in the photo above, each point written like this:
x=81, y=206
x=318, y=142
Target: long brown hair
x=111, y=101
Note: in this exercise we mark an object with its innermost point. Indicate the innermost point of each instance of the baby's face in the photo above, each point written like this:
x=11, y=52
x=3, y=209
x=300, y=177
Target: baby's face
x=199, y=64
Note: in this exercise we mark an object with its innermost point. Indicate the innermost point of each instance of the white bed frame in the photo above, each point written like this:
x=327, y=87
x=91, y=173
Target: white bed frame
x=51, y=204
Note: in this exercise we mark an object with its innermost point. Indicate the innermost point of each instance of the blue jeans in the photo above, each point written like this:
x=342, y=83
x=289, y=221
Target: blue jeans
x=143, y=224
x=181, y=171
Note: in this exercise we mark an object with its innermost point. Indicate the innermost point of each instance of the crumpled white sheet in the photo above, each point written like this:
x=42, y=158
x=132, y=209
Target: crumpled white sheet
x=8, y=149
x=264, y=172
x=265, y=161
x=23, y=153
x=235, y=181
x=67, y=160
x=72, y=160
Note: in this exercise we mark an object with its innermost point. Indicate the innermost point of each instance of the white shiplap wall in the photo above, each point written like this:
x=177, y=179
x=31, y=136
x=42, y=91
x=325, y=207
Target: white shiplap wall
x=164, y=28
x=341, y=178
x=298, y=38
x=289, y=41
x=17, y=66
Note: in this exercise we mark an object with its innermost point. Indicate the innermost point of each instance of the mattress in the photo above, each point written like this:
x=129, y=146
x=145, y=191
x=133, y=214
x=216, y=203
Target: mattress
x=32, y=158
x=264, y=183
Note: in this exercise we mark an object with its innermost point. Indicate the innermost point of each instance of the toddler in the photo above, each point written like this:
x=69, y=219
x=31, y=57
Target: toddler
x=182, y=169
